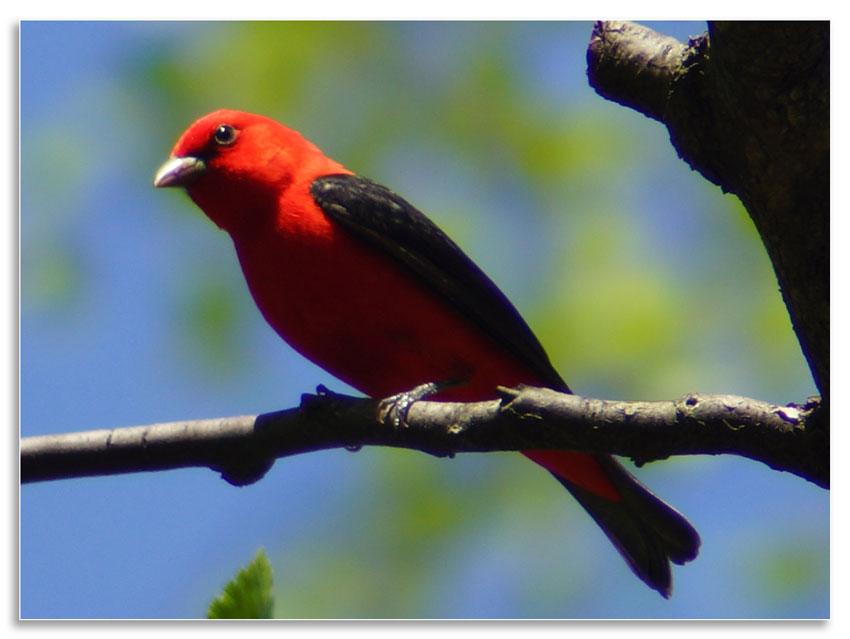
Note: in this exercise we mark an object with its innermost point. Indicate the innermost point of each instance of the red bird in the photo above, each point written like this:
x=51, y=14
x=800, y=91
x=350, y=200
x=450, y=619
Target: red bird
x=363, y=284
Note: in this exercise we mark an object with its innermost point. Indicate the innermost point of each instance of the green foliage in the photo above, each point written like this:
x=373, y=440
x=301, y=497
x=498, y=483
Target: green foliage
x=248, y=595
x=53, y=272
x=209, y=318
x=52, y=277
x=788, y=571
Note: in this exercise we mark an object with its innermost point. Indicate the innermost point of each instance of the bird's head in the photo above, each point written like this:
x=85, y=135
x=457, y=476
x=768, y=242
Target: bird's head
x=232, y=164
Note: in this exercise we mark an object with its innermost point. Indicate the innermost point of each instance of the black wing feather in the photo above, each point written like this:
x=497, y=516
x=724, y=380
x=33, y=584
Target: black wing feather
x=388, y=222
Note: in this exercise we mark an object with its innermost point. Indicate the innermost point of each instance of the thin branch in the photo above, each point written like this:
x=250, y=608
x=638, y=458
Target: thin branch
x=243, y=448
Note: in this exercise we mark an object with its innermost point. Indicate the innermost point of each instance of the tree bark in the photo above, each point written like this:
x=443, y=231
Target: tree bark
x=244, y=448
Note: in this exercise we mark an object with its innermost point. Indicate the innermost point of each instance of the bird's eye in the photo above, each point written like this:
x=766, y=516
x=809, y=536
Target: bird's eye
x=224, y=135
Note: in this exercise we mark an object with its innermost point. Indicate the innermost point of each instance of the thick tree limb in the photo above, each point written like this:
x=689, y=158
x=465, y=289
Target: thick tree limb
x=746, y=105
x=244, y=448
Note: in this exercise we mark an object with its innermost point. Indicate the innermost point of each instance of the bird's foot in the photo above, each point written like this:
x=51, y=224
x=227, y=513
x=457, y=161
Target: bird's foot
x=393, y=410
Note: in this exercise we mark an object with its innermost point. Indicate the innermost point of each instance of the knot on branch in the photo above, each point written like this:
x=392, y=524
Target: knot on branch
x=242, y=466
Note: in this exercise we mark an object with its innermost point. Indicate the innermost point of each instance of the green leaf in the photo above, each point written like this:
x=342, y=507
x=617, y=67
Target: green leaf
x=248, y=595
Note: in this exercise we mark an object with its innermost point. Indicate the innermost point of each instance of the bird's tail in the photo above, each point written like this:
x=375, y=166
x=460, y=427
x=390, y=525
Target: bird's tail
x=648, y=533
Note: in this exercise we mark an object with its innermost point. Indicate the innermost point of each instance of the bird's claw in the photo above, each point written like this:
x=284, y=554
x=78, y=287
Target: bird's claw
x=393, y=410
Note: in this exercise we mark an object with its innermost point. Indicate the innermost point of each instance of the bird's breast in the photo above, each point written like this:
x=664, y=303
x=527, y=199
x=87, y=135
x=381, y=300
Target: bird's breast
x=361, y=316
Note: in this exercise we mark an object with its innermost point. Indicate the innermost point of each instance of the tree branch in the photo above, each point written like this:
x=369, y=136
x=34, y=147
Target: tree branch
x=746, y=105
x=634, y=66
x=244, y=448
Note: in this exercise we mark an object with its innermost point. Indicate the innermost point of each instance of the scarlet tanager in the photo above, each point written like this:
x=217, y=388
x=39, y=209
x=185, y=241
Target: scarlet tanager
x=363, y=284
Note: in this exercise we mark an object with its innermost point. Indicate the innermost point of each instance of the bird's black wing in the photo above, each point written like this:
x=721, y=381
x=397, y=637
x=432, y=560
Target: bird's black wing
x=387, y=222
x=648, y=533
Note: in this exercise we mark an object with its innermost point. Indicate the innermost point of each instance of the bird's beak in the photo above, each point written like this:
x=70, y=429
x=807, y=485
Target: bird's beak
x=179, y=171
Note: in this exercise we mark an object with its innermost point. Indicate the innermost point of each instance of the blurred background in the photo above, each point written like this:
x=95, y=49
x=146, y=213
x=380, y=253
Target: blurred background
x=642, y=280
